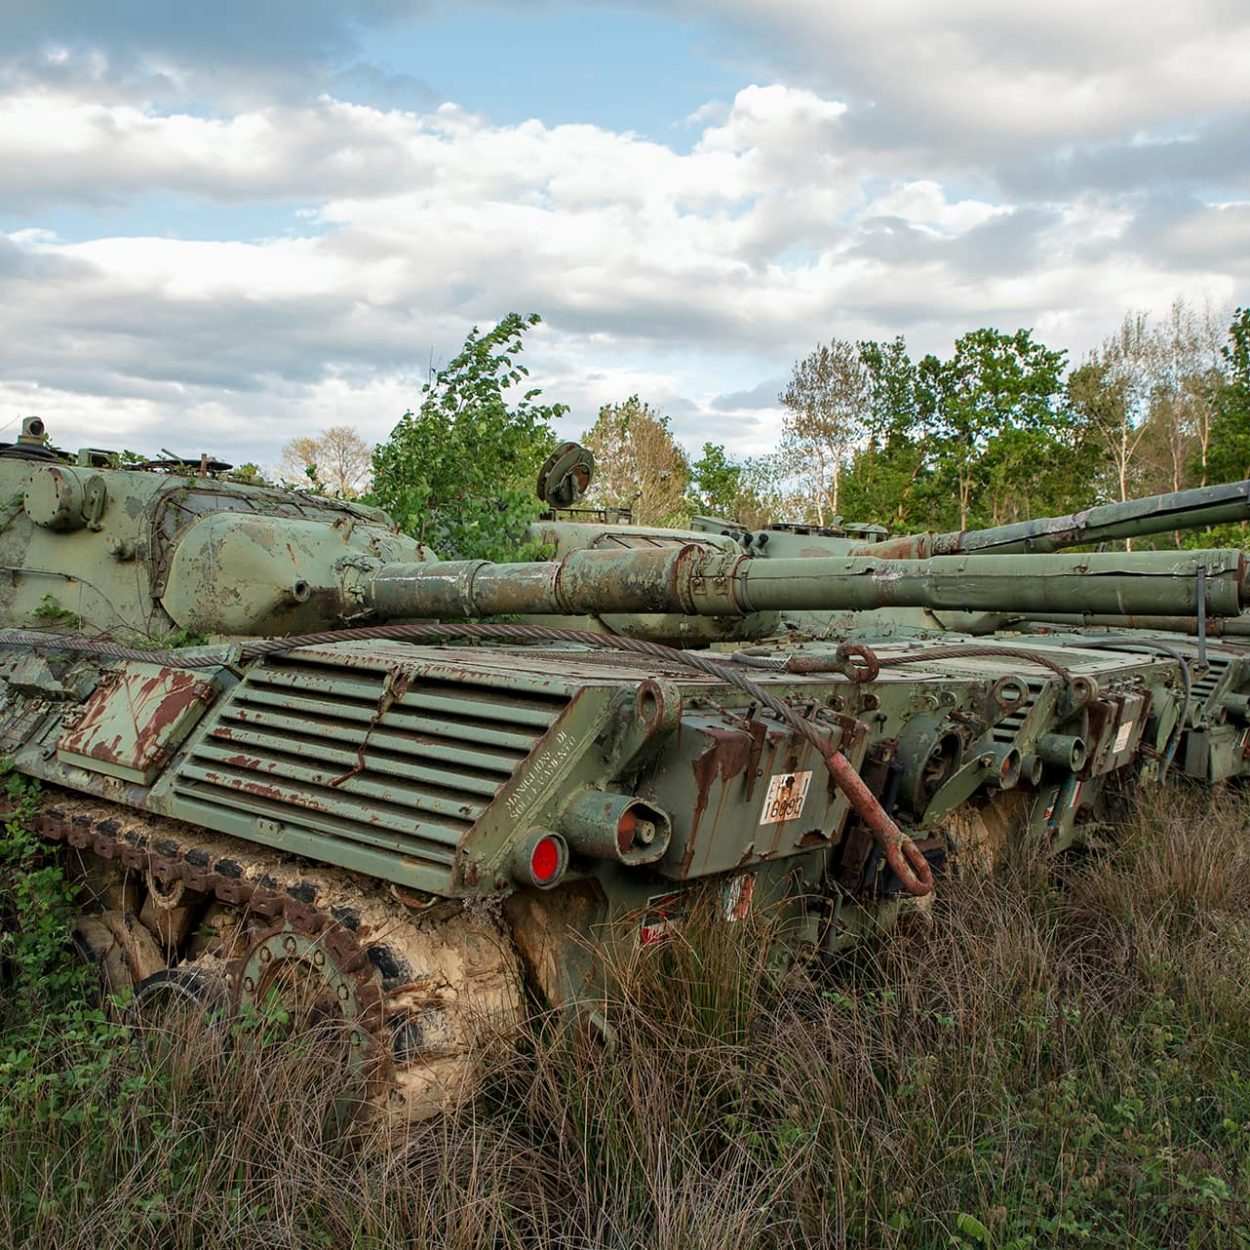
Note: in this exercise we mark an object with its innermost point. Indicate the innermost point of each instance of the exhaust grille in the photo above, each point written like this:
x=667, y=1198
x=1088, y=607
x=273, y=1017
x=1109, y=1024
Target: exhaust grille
x=403, y=763
x=1008, y=727
x=1204, y=686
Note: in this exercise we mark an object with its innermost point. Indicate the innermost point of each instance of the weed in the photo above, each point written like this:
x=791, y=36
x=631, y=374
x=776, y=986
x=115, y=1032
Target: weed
x=51, y=612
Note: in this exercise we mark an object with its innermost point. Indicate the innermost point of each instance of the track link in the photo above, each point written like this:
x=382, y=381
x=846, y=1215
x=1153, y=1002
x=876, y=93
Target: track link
x=419, y=987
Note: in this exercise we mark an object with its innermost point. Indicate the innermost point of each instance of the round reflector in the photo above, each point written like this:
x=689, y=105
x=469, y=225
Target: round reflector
x=545, y=860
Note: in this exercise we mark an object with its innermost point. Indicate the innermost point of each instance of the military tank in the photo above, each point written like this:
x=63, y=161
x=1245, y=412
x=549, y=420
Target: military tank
x=1214, y=743
x=1215, y=740
x=351, y=793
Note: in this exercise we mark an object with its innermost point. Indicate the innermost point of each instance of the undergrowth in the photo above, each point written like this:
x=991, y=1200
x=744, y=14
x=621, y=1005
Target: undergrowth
x=1059, y=1057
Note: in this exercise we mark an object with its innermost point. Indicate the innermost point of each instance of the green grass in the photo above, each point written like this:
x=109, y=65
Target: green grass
x=1059, y=1057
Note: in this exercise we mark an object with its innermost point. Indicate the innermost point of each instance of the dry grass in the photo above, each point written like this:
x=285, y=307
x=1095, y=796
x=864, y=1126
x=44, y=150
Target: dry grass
x=1061, y=1058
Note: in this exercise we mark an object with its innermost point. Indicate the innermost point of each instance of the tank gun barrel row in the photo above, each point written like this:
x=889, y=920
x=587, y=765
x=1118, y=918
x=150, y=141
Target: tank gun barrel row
x=694, y=581
x=1134, y=518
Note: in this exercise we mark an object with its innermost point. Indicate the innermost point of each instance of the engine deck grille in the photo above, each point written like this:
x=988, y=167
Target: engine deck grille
x=404, y=765
x=1205, y=685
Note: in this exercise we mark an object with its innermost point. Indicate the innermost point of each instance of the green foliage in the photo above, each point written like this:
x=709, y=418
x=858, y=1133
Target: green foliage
x=996, y=404
x=248, y=474
x=36, y=905
x=984, y=438
x=459, y=473
x=47, y=1012
x=127, y=459
x=1229, y=455
x=716, y=482
x=51, y=611
x=172, y=641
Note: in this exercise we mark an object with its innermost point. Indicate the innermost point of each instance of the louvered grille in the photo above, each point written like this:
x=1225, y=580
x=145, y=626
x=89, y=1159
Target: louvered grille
x=1206, y=684
x=1008, y=728
x=338, y=752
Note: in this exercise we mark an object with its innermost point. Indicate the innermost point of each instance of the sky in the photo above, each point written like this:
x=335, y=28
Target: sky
x=222, y=226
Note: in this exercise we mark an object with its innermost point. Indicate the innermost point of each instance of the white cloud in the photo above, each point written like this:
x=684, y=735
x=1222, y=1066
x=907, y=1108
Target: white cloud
x=912, y=168
x=980, y=72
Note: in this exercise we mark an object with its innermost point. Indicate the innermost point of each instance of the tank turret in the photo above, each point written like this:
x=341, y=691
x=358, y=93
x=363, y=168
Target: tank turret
x=175, y=545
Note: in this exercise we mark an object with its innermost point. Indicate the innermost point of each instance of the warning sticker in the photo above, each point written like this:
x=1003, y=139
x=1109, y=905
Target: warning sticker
x=1122, y=737
x=785, y=797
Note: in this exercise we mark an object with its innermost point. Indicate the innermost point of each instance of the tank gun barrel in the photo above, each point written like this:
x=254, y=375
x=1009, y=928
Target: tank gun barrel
x=696, y=581
x=1229, y=627
x=1134, y=518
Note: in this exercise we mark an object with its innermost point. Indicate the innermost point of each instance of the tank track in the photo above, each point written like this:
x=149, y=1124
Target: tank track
x=418, y=985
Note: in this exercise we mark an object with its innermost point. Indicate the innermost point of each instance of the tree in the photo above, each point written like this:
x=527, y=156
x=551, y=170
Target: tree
x=994, y=385
x=459, y=472
x=890, y=478
x=826, y=402
x=338, y=460
x=1229, y=454
x=717, y=482
x=1111, y=392
x=638, y=464
x=1188, y=385
x=745, y=491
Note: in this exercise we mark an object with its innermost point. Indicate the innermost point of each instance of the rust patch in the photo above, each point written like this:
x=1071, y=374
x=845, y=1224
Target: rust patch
x=135, y=721
x=729, y=755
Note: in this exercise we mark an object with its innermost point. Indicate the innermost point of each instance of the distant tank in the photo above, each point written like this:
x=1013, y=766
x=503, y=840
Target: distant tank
x=410, y=826
x=1215, y=743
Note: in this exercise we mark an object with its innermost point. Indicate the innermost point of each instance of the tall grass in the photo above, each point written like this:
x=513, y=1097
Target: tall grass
x=1059, y=1057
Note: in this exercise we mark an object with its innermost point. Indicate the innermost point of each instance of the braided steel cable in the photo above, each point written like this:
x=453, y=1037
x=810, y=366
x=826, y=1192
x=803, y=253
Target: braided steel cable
x=961, y=651
x=901, y=853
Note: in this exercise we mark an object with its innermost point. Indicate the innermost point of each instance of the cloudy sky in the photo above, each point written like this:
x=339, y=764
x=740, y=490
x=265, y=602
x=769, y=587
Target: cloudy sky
x=223, y=225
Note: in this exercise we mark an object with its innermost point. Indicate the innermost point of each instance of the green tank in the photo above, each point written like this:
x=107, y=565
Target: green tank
x=1214, y=745
x=350, y=792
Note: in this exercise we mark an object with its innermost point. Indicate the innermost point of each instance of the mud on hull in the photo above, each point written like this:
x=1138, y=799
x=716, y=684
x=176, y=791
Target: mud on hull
x=416, y=991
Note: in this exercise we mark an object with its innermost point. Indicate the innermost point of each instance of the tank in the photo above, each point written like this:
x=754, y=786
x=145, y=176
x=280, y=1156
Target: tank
x=1214, y=744
x=1222, y=504
x=291, y=762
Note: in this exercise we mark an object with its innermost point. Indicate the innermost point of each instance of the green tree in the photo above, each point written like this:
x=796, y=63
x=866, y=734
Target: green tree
x=746, y=491
x=1228, y=458
x=716, y=481
x=638, y=464
x=994, y=385
x=890, y=478
x=459, y=472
